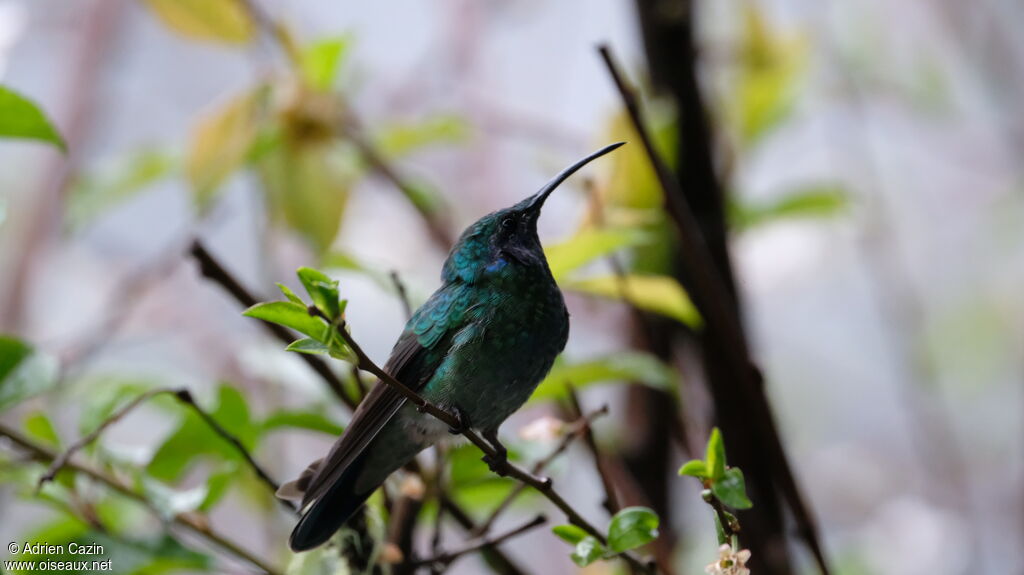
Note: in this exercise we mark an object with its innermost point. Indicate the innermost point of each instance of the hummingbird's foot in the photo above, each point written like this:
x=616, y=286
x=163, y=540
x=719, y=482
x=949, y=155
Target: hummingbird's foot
x=462, y=419
x=499, y=461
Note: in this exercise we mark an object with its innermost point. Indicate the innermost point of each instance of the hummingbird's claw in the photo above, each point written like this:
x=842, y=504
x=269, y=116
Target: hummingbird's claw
x=498, y=463
x=463, y=420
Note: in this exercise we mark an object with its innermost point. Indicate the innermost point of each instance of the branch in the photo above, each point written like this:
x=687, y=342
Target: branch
x=493, y=556
x=712, y=295
x=578, y=427
x=189, y=521
x=500, y=465
x=445, y=559
x=182, y=395
x=403, y=295
x=611, y=502
x=211, y=269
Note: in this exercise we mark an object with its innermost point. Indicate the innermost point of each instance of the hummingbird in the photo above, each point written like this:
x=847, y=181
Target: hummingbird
x=477, y=348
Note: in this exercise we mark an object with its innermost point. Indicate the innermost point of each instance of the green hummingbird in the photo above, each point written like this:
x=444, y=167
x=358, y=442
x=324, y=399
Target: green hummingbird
x=477, y=348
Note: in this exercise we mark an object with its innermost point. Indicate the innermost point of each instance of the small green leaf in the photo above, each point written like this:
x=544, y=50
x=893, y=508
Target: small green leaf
x=631, y=528
x=21, y=118
x=322, y=289
x=569, y=533
x=587, y=551
x=813, y=201
x=39, y=426
x=288, y=293
x=694, y=468
x=308, y=345
x=320, y=62
x=290, y=315
x=220, y=143
x=714, y=455
x=656, y=293
x=97, y=191
x=401, y=139
x=732, y=490
x=24, y=373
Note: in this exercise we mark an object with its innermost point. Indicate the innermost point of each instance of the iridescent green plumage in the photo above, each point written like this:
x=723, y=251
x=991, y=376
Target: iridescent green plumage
x=478, y=348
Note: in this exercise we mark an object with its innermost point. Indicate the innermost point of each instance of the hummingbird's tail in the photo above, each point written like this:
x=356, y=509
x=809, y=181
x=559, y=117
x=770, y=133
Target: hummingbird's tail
x=329, y=512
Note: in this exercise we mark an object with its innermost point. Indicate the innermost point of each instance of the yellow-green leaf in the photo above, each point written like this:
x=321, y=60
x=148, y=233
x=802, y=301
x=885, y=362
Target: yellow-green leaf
x=226, y=21
x=220, y=143
x=587, y=246
x=658, y=294
x=21, y=118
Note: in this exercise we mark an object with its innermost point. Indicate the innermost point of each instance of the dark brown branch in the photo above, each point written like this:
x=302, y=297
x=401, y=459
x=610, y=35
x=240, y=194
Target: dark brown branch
x=403, y=295
x=182, y=395
x=611, y=501
x=713, y=298
x=494, y=557
x=189, y=521
x=212, y=270
x=479, y=543
x=501, y=466
x=577, y=428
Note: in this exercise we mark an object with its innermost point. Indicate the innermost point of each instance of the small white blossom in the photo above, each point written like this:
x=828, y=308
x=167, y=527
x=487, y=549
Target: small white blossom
x=729, y=563
x=544, y=428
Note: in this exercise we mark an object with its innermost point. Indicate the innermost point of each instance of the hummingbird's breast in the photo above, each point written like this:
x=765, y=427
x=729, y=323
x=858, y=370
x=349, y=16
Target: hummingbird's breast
x=525, y=326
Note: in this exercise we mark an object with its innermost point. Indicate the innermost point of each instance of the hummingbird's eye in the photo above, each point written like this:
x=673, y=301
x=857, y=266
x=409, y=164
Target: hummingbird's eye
x=508, y=222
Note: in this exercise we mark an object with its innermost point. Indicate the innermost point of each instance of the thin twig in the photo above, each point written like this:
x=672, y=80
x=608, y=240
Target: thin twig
x=403, y=295
x=576, y=429
x=711, y=294
x=611, y=501
x=182, y=395
x=500, y=465
x=211, y=269
x=492, y=555
x=189, y=521
x=479, y=543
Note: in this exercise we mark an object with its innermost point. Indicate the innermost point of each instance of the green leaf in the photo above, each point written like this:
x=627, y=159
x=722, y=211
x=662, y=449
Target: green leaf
x=225, y=21
x=588, y=245
x=569, y=533
x=694, y=468
x=814, y=201
x=401, y=139
x=288, y=293
x=12, y=352
x=322, y=289
x=658, y=294
x=308, y=345
x=194, y=439
x=94, y=193
x=301, y=420
x=321, y=60
x=631, y=528
x=714, y=455
x=21, y=118
x=587, y=551
x=38, y=426
x=622, y=366
x=24, y=373
x=732, y=490
x=308, y=184
x=291, y=315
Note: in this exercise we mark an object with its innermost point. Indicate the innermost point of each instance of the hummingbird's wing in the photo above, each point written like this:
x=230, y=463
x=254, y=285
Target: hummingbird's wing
x=419, y=351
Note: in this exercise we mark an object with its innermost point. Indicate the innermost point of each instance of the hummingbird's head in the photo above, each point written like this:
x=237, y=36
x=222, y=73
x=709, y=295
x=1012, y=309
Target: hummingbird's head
x=507, y=237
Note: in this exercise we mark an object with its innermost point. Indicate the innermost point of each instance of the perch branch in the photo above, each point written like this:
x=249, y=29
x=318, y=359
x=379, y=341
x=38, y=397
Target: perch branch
x=611, y=501
x=500, y=465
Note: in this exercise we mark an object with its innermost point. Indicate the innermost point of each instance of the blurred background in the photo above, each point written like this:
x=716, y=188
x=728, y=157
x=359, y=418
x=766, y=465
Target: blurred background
x=869, y=156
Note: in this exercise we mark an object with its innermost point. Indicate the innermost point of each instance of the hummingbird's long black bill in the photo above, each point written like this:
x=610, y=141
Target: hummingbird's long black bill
x=537, y=200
